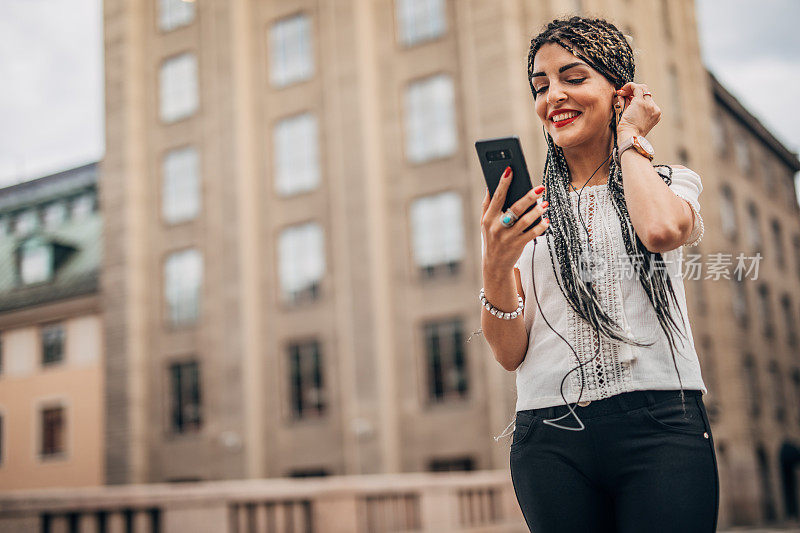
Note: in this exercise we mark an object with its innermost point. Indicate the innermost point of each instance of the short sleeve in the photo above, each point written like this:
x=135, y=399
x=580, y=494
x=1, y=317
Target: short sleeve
x=687, y=184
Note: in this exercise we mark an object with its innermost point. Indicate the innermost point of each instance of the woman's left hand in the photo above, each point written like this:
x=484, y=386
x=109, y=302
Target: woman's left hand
x=641, y=112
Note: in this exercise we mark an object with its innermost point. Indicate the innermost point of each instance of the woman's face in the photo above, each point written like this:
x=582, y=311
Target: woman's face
x=579, y=88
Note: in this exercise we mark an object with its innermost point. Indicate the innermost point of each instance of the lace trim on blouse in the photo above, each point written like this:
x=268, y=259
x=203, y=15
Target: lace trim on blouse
x=609, y=369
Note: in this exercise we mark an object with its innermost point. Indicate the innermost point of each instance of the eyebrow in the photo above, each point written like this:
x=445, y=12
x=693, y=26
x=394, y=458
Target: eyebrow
x=562, y=69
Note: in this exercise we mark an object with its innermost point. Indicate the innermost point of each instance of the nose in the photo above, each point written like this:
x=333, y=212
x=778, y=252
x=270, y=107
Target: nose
x=555, y=95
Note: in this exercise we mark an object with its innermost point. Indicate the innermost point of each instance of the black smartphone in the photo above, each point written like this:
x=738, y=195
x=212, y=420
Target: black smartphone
x=497, y=154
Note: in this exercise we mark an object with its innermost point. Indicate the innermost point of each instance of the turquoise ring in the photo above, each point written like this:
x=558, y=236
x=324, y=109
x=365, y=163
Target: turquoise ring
x=508, y=218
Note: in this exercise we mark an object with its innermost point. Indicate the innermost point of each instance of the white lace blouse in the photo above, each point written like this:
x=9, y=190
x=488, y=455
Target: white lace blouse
x=619, y=367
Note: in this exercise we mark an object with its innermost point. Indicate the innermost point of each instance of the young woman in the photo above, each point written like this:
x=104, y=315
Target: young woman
x=611, y=431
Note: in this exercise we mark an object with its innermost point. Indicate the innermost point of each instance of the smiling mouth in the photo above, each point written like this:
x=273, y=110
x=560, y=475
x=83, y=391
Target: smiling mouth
x=566, y=121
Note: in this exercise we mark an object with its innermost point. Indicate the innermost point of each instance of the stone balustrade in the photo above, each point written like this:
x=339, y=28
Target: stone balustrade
x=475, y=502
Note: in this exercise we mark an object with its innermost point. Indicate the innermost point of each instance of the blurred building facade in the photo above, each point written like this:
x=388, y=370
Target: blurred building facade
x=292, y=241
x=51, y=363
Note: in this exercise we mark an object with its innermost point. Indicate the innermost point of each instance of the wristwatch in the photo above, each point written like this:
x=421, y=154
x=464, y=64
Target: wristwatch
x=640, y=143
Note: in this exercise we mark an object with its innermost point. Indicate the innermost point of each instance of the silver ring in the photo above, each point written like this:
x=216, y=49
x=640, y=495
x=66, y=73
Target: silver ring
x=508, y=218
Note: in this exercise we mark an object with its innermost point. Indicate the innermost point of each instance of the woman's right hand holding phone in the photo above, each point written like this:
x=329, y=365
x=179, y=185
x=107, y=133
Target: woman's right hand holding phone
x=504, y=245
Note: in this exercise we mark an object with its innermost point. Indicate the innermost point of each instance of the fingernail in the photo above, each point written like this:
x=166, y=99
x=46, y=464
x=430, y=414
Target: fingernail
x=546, y=220
x=539, y=189
x=507, y=172
x=545, y=203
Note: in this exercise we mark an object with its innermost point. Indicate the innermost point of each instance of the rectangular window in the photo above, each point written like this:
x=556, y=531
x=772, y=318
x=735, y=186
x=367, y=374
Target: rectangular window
x=777, y=390
x=796, y=243
x=752, y=390
x=36, y=261
x=296, y=154
x=55, y=214
x=430, y=118
x=291, y=56
x=446, y=362
x=739, y=299
x=301, y=256
x=675, y=93
x=438, y=233
x=789, y=323
x=305, y=380
x=420, y=20
x=173, y=14
x=26, y=222
x=778, y=236
x=742, y=152
x=84, y=205
x=52, y=337
x=181, y=186
x=53, y=431
x=178, y=87
x=183, y=278
x=766, y=311
x=456, y=464
x=185, y=407
x=727, y=211
x=754, y=227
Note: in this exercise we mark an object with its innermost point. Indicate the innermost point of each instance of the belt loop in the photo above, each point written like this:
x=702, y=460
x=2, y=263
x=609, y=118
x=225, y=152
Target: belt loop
x=651, y=398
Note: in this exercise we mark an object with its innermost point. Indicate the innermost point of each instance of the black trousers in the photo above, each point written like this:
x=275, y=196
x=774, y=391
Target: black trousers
x=640, y=464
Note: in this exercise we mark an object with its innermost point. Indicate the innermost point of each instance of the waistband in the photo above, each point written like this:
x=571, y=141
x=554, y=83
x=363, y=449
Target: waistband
x=619, y=403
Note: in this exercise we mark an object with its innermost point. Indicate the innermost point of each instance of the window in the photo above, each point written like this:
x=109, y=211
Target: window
x=455, y=464
x=796, y=242
x=719, y=136
x=420, y=20
x=301, y=253
x=291, y=56
x=727, y=213
x=55, y=214
x=765, y=310
x=767, y=501
x=83, y=205
x=27, y=222
x=185, y=407
x=675, y=92
x=739, y=299
x=778, y=236
x=296, y=154
x=181, y=187
x=796, y=384
x=183, y=276
x=52, y=337
x=53, y=431
x=753, y=226
x=446, y=362
x=430, y=118
x=437, y=229
x=36, y=261
x=789, y=323
x=779, y=399
x=305, y=380
x=178, y=87
x=742, y=152
x=752, y=390
x=175, y=13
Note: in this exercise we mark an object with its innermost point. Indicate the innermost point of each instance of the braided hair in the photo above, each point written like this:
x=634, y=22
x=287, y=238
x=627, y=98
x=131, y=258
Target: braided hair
x=600, y=44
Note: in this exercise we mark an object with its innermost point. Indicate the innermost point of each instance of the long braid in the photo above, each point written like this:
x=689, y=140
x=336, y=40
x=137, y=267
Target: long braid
x=604, y=47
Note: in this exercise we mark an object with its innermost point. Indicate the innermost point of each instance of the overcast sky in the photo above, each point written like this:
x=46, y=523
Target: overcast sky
x=51, y=75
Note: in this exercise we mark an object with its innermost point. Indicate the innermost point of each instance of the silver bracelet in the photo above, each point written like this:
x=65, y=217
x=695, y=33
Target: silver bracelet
x=498, y=313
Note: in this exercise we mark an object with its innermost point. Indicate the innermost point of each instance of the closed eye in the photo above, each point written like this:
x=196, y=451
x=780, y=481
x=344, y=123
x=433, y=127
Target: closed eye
x=574, y=81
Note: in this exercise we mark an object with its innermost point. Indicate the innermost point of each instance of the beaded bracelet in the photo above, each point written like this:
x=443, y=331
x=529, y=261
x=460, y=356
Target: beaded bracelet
x=498, y=313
